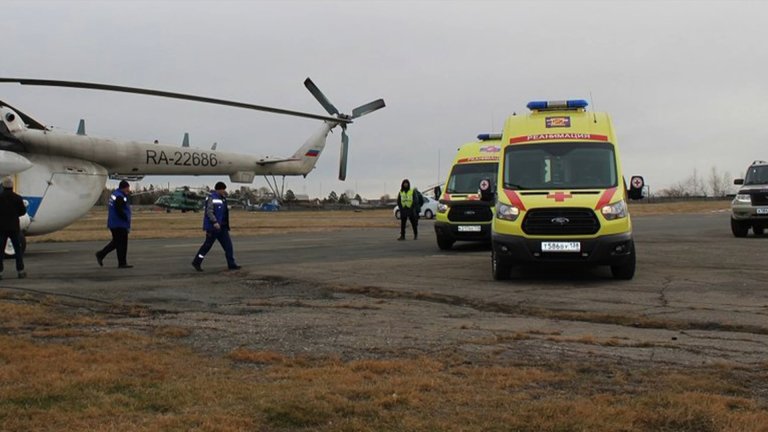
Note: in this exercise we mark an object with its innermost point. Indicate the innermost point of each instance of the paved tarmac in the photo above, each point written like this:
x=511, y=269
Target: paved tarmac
x=699, y=295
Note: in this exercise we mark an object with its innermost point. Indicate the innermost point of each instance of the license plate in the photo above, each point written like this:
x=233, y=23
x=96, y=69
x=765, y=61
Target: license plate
x=560, y=247
x=470, y=228
x=762, y=211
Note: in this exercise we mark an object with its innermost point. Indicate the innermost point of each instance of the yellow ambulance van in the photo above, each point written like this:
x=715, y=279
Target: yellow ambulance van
x=465, y=210
x=561, y=196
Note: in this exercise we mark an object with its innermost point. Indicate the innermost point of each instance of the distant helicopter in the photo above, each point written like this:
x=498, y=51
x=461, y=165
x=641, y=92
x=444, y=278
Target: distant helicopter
x=182, y=199
x=61, y=175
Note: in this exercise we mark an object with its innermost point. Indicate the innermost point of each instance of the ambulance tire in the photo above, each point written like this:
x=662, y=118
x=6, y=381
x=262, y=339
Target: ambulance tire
x=23, y=241
x=739, y=228
x=758, y=230
x=444, y=243
x=500, y=266
x=625, y=270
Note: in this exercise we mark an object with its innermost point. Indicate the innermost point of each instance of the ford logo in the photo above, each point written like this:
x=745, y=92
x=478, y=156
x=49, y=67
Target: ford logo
x=560, y=220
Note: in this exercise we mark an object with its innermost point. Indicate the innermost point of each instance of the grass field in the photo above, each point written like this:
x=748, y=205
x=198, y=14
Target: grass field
x=67, y=369
x=63, y=371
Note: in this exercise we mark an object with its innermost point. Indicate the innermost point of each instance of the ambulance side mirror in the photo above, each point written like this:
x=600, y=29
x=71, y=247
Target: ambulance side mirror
x=636, y=188
x=486, y=190
x=738, y=181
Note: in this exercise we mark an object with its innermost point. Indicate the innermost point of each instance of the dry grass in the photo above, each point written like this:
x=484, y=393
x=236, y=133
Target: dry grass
x=657, y=208
x=102, y=379
x=158, y=224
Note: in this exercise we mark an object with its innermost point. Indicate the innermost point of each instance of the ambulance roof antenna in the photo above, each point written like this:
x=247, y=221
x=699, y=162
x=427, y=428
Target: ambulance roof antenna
x=592, y=102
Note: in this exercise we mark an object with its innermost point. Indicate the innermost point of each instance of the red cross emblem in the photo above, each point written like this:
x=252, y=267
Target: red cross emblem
x=559, y=196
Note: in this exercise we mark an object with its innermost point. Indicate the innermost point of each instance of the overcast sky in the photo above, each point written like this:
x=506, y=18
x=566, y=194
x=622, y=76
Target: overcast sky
x=685, y=82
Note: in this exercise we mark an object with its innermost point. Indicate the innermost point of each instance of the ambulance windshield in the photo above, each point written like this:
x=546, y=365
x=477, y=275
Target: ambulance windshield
x=757, y=175
x=465, y=178
x=577, y=165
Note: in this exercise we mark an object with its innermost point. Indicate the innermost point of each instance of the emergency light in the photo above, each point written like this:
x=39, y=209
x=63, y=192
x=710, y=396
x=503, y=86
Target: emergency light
x=488, y=136
x=552, y=105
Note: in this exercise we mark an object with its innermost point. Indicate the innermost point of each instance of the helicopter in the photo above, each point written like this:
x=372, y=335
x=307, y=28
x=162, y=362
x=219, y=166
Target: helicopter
x=61, y=175
x=181, y=199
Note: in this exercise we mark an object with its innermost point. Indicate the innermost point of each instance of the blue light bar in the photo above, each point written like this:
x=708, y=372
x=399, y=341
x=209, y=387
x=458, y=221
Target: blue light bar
x=553, y=105
x=488, y=136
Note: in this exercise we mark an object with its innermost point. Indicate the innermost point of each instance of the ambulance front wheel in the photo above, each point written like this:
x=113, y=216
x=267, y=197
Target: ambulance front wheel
x=500, y=266
x=444, y=243
x=626, y=269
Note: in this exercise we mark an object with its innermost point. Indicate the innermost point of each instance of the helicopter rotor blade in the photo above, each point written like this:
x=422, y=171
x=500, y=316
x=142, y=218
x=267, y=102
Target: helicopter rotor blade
x=159, y=93
x=344, y=154
x=368, y=108
x=320, y=97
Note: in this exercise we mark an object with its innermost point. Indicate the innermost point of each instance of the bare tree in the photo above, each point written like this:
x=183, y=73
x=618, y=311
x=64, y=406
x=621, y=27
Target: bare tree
x=718, y=183
x=696, y=183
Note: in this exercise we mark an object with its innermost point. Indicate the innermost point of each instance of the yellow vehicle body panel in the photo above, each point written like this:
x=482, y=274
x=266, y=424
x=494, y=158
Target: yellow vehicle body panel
x=561, y=196
x=536, y=128
x=462, y=215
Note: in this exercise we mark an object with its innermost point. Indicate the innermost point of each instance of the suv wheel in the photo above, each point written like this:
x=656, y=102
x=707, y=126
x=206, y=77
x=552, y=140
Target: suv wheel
x=397, y=214
x=739, y=228
x=428, y=214
x=500, y=266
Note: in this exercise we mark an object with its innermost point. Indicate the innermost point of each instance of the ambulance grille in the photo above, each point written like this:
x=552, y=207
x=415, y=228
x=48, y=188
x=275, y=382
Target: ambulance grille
x=561, y=221
x=470, y=213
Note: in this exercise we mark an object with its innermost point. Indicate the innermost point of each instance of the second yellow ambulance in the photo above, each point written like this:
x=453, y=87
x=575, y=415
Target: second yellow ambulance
x=463, y=214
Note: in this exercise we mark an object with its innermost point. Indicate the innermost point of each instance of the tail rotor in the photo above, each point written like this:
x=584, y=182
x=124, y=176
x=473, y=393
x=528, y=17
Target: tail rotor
x=332, y=110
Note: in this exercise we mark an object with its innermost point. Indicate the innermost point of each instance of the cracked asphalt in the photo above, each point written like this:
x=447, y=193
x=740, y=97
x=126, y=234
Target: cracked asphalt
x=699, y=296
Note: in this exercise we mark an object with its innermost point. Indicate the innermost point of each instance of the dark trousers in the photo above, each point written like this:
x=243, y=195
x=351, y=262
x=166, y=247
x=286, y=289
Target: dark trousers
x=119, y=242
x=222, y=236
x=409, y=214
x=13, y=236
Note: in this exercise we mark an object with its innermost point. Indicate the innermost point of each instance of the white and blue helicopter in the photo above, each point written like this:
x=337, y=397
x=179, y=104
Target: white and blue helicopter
x=61, y=175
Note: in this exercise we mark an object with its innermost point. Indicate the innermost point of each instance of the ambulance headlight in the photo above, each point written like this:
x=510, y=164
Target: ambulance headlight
x=743, y=199
x=507, y=212
x=614, y=211
x=442, y=208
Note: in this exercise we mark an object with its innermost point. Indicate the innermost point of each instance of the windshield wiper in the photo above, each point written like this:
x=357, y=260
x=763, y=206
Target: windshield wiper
x=513, y=186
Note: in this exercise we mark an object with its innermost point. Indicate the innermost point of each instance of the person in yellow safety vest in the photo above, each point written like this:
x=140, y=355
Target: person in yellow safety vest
x=409, y=202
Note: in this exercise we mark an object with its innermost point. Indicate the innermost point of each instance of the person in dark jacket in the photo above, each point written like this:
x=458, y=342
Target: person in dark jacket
x=11, y=208
x=216, y=227
x=409, y=202
x=119, y=223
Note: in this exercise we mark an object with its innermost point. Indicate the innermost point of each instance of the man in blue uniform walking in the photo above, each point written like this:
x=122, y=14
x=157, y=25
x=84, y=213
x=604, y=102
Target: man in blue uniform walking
x=216, y=226
x=119, y=223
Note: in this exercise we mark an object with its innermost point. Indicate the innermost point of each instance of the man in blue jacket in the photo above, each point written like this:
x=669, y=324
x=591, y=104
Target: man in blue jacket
x=11, y=208
x=119, y=223
x=216, y=226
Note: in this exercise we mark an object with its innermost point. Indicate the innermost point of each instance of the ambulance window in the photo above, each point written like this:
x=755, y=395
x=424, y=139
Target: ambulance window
x=560, y=166
x=465, y=178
